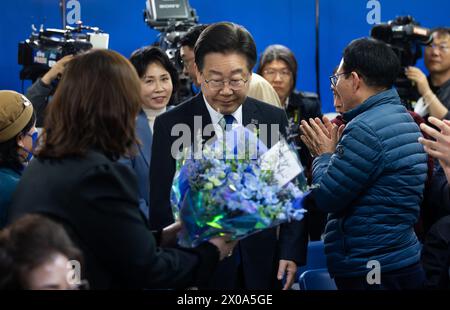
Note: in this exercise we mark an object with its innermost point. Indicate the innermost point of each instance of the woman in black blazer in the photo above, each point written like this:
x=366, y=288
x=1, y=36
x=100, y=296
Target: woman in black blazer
x=76, y=180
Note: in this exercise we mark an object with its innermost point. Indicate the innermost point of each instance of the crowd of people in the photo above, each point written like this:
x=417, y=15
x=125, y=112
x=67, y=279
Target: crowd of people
x=94, y=189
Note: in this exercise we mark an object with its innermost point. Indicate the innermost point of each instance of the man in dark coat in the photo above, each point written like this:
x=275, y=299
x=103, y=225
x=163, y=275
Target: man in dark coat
x=225, y=54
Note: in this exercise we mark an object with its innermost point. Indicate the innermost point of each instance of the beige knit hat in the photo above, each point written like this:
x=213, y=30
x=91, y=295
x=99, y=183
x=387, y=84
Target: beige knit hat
x=15, y=113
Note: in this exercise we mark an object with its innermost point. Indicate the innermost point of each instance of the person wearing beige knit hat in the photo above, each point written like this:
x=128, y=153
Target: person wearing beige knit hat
x=18, y=137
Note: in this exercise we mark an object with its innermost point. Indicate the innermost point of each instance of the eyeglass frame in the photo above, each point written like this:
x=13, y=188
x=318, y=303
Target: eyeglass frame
x=442, y=48
x=226, y=81
x=282, y=73
x=335, y=78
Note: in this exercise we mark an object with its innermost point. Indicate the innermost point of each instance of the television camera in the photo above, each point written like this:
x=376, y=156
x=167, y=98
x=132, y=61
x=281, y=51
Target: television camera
x=173, y=19
x=45, y=47
x=406, y=38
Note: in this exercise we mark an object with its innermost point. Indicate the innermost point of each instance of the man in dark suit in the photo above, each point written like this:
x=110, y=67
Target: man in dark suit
x=225, y=54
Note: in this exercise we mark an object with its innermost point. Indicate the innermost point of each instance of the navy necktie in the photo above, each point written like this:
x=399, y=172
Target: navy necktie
x=229, y=119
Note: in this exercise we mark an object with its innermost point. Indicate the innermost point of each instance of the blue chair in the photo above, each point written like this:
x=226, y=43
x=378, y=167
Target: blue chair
x=315, y=258
x=316, y=279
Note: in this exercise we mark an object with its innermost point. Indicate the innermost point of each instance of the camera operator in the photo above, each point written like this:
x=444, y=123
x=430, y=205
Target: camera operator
x=41, y=90
x=435, y=90
x=187, y=44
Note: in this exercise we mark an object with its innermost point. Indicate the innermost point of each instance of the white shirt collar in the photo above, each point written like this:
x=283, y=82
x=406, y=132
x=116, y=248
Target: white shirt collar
x=216, y=116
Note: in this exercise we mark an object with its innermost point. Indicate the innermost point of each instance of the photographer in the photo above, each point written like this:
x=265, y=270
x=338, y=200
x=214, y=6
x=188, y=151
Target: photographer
x=43, y=88
x=435, y=89
x=187, y=44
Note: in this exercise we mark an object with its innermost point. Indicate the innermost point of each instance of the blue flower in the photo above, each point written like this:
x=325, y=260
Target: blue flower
x=232, y=196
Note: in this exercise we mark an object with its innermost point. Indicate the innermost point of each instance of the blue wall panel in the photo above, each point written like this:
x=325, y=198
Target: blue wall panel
x=289, y=22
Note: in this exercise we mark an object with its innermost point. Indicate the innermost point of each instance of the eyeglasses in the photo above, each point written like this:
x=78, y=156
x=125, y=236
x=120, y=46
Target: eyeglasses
x=272, y=73
x=220, y=84
x=335, y=78
x=441, y=47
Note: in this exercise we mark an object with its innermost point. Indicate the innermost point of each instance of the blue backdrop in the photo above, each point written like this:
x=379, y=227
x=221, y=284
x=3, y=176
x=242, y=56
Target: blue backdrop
x=288, y=22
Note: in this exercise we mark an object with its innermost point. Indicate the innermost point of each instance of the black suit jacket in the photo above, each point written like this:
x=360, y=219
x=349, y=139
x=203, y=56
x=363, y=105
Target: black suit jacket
x=303, y=106
x=96, y=199
x=305, y=103
x=259, y=253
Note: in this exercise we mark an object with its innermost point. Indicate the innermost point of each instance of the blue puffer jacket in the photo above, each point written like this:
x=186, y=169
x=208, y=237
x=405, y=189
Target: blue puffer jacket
x=372, y=186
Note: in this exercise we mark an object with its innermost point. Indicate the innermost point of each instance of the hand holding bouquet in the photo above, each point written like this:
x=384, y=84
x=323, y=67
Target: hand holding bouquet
x=236, y=188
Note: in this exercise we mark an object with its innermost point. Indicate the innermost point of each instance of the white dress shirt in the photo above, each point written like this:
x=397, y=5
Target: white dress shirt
x=216, y=117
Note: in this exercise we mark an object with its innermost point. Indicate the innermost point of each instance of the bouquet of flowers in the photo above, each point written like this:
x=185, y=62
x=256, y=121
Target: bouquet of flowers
x=235, y=187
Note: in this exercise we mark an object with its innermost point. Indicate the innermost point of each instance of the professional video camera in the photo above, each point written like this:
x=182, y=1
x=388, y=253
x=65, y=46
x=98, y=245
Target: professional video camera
x=43, y=49
x=406, y=38
x=173, y=19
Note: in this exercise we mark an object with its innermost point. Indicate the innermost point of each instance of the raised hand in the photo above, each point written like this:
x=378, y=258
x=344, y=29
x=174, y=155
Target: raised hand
x=57, y=70
x=320, y=137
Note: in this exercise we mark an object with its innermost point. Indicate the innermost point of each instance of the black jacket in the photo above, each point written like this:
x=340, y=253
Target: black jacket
x=443, y=93
x=306, y=104
x=436, y=255
x=259, y=253
x=303, y=106
x=39, y=95
x=96, y=199
x=436, y=202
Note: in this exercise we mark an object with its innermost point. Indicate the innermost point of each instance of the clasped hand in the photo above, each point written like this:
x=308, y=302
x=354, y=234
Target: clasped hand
x=320, y=137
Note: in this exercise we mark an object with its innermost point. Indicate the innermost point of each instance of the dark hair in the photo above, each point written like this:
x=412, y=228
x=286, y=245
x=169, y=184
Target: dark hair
x=441, y=31
x=224, y=38
x=28, y=243
x=145, y=56
x=373, y=60
x=9, y=155
x=279, y=52
x=94, y=107
x=191, y=37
